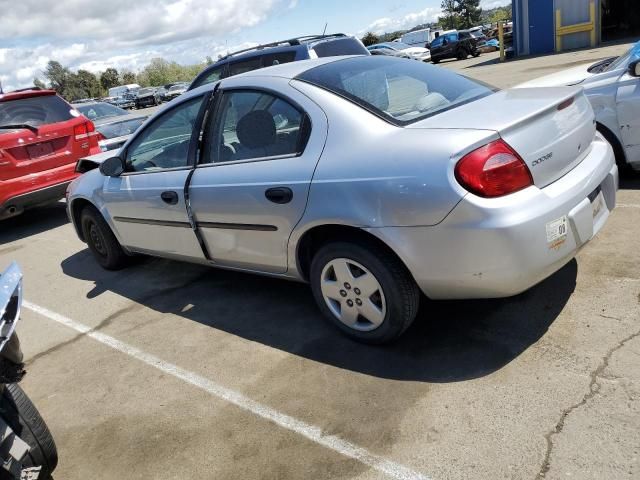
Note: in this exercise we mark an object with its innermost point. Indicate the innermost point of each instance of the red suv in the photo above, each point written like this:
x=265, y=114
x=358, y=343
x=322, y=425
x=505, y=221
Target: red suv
x=41, y=139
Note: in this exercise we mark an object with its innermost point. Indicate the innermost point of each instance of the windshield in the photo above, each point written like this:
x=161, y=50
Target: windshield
x=397, y=45
x=35, y=111
x=96, y=111
x=399, y=91
x=145, y=91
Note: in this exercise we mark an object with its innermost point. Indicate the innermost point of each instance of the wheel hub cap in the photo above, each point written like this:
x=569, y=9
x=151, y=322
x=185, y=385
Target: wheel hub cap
x=353, y=294
x=96, y=239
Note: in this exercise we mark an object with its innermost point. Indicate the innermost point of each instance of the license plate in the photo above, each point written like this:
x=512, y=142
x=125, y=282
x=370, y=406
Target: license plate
x=557, y=229
x=39, y=150
x=597, y=205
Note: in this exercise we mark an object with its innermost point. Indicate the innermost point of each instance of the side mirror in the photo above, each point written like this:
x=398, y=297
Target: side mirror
x=112, y=167
x=634, y=69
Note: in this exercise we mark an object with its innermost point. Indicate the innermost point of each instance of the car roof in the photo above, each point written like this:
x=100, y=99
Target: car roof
x=25, y=93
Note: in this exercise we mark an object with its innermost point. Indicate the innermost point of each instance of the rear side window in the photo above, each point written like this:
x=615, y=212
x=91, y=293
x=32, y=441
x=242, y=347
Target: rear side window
x=341, y=46
x=245, y=66
x=278, y=58
x=35, y=111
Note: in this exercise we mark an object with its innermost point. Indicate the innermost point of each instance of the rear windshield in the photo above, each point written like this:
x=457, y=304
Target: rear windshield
x=342, y=46
x=35, y=111
x=399, y=91
x=96, y=111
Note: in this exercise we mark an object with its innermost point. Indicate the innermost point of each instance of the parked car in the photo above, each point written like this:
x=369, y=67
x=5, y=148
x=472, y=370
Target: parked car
x=41, y=139
x=113, y=124
x=147, y=97
x=125, y=95
x=454, y=45
x=27, y=448
x=397, y=49
x=176, y=91
x=295, y=49
x=612, y=86
x=372, y=178
x=161, y=93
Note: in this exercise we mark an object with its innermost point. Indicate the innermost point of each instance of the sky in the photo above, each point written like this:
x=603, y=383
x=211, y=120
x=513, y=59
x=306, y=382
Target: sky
x=127, y=34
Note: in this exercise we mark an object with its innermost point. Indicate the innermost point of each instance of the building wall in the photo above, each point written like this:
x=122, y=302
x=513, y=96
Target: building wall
x=572, y=12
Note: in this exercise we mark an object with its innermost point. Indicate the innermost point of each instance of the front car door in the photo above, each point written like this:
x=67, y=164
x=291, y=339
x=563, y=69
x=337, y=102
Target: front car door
x=260, y=151
x=147, y=202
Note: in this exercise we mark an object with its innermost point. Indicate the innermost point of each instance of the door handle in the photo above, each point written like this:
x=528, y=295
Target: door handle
x=169, y=197
x=279, y=195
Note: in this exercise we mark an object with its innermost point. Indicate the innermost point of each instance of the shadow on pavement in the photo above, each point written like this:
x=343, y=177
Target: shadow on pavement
x=33, y=222
x=449, y=342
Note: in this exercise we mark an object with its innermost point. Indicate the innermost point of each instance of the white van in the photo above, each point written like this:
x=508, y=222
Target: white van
x=123, y=89
x=417, y=38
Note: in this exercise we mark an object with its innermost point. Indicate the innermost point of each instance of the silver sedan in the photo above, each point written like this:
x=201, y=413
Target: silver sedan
x=372, y=178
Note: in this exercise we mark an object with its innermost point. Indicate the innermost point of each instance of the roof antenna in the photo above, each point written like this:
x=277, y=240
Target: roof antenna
x=325, y=28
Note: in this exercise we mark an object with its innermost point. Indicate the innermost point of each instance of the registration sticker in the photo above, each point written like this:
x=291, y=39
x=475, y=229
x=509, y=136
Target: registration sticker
x=557, y=229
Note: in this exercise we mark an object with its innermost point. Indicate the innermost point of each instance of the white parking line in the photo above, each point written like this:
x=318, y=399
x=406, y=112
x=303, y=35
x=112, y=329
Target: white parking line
x=627, y=205
x=311, y=432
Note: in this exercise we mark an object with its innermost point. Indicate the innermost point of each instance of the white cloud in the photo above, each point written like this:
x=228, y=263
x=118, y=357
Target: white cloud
x=489, y=4
x=124, y=34
x=388, y=24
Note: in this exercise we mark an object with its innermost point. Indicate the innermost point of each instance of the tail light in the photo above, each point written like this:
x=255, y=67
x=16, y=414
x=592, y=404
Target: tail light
x=493, y=170
x=84, y=130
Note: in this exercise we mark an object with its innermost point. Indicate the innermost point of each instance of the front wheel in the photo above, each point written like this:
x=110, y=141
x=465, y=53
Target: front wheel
x=364, y=290
x=25, y=420
x=101, y=241
x=462, y=54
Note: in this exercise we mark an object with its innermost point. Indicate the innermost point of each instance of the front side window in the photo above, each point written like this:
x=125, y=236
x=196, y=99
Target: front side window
x=213, y=75
x=399, y=91
x=437, y=42
x=165, y=143
x=452, y=37
x=339, y=46
x=255, y=124
x=278, y=58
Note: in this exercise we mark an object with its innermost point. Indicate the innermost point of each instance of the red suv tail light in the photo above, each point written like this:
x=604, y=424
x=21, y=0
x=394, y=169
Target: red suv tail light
x=84, y=130
x=493, y=170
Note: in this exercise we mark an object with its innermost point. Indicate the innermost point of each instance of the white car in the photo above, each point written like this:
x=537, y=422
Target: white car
x=399, y=49
x=612, y=86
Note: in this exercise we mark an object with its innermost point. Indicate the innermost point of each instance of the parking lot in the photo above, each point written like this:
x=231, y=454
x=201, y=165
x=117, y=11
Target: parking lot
x=167, y=370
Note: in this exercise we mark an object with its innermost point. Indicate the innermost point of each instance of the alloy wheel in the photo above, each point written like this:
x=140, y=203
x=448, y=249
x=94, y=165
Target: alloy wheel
x=353, y=294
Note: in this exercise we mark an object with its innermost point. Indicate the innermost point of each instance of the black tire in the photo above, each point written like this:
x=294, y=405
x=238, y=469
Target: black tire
x=476, y=54
x=462, y=54
x=435, y=60
x=25, y=420
x=398, y=287
x=101, y=241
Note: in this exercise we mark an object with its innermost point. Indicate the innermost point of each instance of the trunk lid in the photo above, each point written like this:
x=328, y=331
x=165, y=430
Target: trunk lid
x=552, y=129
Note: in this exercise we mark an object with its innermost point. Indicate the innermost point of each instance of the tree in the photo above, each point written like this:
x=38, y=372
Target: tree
x=128, y=77
x=370, y=38
x=460, y=14
x=57, y=75
x=88, y=84
x=469, y=12
x=109, y=78
x=39, y=83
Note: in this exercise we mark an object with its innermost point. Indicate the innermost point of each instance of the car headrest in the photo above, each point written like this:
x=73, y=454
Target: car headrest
x=256, y=129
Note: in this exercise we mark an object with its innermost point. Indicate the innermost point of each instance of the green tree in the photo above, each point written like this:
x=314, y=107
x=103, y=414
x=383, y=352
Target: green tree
x=58, y=76
x=460, y=14
x=39, y=83
x=370, y=38
x=88, y=83
x=469, y=12
x=109, y=78
x=127, y=77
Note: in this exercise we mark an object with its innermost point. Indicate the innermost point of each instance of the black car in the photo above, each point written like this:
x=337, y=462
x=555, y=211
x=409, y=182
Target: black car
x=146, y=97
x=301, y=48
x=454, y=45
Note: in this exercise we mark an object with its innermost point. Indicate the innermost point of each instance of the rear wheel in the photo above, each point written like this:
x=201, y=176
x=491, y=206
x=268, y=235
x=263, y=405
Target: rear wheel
x=435, y=60
x=25, y=420
x=462, y=54
x=364, y=290
x=101, y=241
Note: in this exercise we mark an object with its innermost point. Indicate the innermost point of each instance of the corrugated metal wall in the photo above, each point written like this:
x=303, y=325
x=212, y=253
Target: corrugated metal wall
x=576, y=11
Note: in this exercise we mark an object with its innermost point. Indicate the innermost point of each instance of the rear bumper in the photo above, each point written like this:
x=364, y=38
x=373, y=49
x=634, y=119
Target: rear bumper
x=18, y=204
x=21, y=193
x=491, y=248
